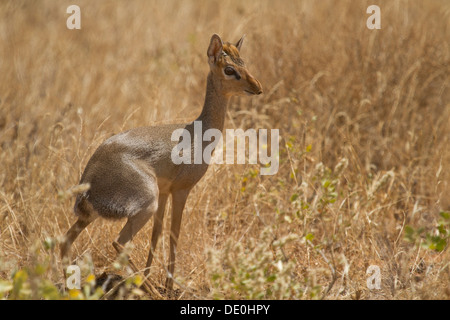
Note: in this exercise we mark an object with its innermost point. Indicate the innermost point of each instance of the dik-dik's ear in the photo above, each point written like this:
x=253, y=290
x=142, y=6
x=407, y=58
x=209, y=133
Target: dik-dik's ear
x=215, y=48
x=239, y=43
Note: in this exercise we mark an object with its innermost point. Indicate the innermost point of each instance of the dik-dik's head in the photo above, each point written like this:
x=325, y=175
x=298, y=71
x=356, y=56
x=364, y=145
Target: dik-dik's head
x=227, y=66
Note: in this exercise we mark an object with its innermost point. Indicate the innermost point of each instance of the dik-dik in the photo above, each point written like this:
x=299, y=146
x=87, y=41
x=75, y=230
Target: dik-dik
x=132, y=174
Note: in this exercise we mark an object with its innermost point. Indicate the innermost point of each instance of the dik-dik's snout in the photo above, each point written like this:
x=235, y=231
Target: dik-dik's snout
x=254, y=86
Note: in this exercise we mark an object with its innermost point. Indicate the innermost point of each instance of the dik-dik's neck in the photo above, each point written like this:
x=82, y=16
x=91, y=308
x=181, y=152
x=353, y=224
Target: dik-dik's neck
x=215, y=107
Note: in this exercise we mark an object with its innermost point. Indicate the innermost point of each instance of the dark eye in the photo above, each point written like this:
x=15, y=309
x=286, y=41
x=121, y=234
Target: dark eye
x=229, y=71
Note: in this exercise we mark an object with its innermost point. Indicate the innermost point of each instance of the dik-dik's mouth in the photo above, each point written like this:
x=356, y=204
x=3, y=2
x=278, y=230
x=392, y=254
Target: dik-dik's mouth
x=251, y=93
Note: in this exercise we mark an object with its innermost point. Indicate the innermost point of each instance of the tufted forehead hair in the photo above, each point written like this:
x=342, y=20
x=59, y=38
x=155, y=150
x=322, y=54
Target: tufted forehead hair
x=232, y=52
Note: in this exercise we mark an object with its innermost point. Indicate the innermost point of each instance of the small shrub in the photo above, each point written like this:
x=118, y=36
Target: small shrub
x=254, y=270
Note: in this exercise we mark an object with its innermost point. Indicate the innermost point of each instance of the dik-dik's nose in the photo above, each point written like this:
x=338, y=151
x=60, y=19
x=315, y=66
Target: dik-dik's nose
x=258, y=88
x=255, y=85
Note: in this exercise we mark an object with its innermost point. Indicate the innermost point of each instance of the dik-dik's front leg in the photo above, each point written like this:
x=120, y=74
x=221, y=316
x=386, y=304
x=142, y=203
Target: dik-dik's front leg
x=179, y=198
x=157, y=228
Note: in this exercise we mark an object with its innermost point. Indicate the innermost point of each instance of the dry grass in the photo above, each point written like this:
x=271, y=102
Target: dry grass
x=335, y=89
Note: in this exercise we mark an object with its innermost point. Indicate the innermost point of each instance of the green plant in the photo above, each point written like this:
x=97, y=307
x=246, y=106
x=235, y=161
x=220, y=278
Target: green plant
x=435, y=239
x=254, y=270
x=35, y=281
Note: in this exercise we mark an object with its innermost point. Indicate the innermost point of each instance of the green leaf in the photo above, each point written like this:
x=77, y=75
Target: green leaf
x=271, y=278
x=440, y=244
x=442, y=230
x=309, y=237
x=49, y=291
x=289, y=145
x=305, y=205
x=445, y=215
x=294, y=197
x=325, y=183
x=40, y=269
x=409, y=234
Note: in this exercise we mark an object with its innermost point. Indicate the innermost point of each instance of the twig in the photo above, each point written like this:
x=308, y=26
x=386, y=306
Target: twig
x=333, y=271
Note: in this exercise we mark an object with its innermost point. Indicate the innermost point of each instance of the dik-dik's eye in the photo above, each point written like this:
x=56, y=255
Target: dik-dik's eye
x=229, y=71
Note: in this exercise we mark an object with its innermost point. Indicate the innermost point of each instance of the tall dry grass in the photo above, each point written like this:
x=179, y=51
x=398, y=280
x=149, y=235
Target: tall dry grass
x=378, y=99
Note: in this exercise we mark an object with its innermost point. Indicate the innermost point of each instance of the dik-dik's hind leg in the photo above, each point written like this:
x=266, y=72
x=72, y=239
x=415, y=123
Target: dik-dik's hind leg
x=144, y=212
x=131, y=228
x=135, y=223
x=73, y=233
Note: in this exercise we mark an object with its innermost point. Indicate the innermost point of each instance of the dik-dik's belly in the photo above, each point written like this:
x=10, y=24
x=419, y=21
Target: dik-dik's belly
x=189, y=175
